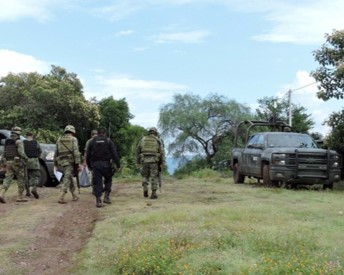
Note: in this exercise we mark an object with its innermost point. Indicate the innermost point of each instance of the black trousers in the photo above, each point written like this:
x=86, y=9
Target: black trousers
x=100, y=172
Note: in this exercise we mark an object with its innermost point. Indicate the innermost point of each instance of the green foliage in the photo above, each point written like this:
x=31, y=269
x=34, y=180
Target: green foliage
x=49, y=102
x=279, y=108
x=200, y=126
x=330, y=74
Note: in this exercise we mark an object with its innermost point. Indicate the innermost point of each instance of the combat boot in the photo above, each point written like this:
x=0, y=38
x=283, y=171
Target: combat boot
x=28, y=194
x=2, y=196
x=61, y=198
x=145, y=193
x=21, y=198
x=106, y=198
x=154, y=195
x=98, y=202
x=35, y=194
x=75, y=196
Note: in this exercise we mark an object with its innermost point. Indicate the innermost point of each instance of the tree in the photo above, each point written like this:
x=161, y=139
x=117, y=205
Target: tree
x=46, y=104
x=279, y=108
x=115, y=115
x=200, y=126
x=330, y=77
x=330, y=74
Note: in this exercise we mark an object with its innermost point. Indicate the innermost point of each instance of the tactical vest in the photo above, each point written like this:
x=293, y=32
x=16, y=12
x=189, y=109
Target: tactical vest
x=149, y=146
x=101, y=149
x=11, y=150
x=30, y=147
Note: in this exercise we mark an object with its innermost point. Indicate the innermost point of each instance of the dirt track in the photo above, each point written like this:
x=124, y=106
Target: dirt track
x=44, y=235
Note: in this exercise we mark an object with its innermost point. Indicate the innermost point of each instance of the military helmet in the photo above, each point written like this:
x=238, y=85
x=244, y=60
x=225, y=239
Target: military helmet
x=69, y=128
x=153, y=130
x=16, y=130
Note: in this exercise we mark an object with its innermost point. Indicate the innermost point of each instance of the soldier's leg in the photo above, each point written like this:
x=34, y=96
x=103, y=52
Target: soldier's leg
x=7, y=181
x=145, y=178
x=35, y=175
x=65, y=182
x=154, y=179
x=20, y=174
x=107, y=174
x=97, y=185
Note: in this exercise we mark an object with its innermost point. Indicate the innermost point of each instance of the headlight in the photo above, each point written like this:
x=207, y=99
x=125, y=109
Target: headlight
x=50, y=156
x=335, y=165
x=278, y=159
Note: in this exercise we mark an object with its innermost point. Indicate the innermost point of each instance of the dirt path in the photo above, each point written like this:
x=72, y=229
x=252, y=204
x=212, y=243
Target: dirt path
x=45, y=235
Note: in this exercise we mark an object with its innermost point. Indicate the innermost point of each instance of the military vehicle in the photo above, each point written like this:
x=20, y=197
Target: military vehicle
x=270, y=151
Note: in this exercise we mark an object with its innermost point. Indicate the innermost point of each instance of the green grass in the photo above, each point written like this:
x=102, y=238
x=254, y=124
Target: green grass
x=203, y=226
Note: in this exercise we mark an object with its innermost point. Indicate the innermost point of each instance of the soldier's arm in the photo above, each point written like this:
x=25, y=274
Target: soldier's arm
x=21, y=150
x=114, y=154
x=76, y=152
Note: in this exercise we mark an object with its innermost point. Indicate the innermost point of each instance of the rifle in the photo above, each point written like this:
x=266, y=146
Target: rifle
x=159, y=175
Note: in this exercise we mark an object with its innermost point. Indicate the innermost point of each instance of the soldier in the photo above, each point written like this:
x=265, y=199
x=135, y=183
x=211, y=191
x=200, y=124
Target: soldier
x=67, y=160
x=15, y=160
x=100, y=152
x=33, y=151
x=150, y=156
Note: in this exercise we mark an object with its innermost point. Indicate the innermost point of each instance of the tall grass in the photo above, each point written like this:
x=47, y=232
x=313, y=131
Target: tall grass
x=198, y=226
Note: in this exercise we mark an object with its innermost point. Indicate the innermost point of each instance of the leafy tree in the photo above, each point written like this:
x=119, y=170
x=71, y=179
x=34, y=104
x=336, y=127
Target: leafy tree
x=200, y=126
x=279, y=108
x=46, y=104
x=330, y=74
x=115, y=115
x=330, y=78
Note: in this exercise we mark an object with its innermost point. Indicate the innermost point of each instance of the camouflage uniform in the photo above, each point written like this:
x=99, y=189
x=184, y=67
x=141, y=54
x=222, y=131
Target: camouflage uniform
x=67, y=155
x=149, y=155
x=15, y=160
x=33, y=151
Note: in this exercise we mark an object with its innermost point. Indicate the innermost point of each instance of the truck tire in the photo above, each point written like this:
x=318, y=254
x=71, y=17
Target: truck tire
x=237, y=176
x=266, y=175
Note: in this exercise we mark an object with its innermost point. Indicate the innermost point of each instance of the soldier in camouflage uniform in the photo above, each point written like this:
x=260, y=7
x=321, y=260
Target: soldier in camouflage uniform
x=67, y=158
x=15, y=160
x=149, y=156
x=33, y=151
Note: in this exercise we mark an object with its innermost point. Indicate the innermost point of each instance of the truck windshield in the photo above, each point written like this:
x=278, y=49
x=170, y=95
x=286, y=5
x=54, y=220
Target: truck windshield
x=292, y=140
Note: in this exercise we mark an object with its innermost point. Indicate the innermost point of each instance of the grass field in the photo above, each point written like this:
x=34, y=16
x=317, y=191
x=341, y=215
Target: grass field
x=212, y=226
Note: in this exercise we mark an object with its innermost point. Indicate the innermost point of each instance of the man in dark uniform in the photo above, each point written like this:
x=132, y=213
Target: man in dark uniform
x=33, y=151
x=15, y=160
x=100, y=151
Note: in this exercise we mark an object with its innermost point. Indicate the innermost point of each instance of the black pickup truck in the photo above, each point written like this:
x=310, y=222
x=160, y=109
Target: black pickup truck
x=46, y=159
x=280, y=157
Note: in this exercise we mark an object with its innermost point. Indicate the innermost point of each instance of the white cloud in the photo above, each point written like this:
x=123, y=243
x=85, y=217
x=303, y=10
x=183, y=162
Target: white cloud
x=39, y=10
x=184, y=37
x=124, y=33
x=144, y=97
x=303, y=22
x=13, y=62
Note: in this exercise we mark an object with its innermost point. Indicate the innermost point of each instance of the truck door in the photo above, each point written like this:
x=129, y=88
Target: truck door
x=247, y=155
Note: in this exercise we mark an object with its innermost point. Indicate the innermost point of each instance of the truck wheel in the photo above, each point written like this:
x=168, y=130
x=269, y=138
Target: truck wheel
x=237, y=176
x=266, y=175
x=44, y=176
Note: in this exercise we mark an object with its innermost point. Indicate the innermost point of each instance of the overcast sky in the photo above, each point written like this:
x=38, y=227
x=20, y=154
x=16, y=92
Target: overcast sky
x=148, y=50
